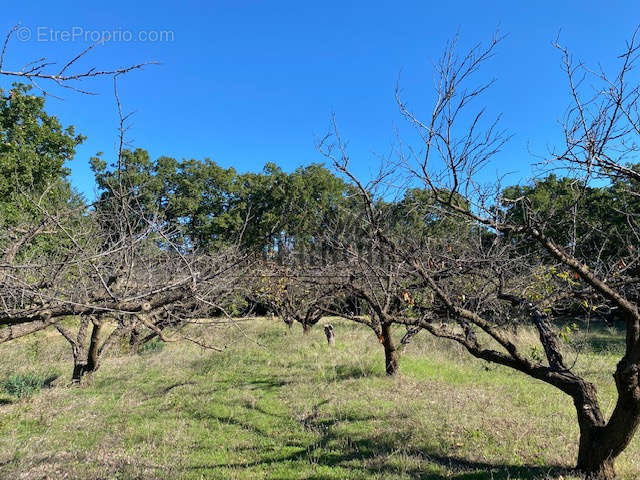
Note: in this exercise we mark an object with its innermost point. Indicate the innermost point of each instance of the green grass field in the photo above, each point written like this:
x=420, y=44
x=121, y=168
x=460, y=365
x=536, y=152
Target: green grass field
x=278, y=405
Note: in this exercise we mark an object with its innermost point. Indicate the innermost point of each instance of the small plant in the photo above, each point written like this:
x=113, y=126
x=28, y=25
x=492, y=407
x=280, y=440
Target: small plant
x=536, y=354
x=152, y=346
x=34, y=350
x=25, y=384
x=567, y=332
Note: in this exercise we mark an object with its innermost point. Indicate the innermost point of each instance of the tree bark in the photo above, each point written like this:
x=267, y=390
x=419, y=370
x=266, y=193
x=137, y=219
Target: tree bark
x=79, y=369
x=331, y=337
x=134, y=341
x=83, y=367
x=390, y=351
x=591, y=460
x=93, y=356
x=306, y=328
x=602, y=442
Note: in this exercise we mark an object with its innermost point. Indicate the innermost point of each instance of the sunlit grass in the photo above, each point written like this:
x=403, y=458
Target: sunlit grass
x=278, y=405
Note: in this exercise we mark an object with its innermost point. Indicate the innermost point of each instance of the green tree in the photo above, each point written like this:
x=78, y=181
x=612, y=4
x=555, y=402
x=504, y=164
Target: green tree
x=589, y=221
x=34, y=148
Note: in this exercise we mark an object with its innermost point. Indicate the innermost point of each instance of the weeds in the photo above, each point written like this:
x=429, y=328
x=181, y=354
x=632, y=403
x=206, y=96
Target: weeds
x=152, y=346
x=26, y=384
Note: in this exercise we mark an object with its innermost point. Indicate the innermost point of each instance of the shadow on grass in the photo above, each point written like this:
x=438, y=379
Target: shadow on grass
x=354, y=455
x=599, y=337
x=604, y=344
x=347, y=372
x=48, y=382
x=370, y=456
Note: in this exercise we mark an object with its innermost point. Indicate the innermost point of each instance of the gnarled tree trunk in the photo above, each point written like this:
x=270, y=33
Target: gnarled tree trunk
x=390, y=351
x=591, y=461
x=306, y=328
x=601, y=442
x=88, y=365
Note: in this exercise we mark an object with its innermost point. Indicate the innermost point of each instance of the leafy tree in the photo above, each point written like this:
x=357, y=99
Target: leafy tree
x=34, y=147
x=33, y=177
x=214, y=206
x=587, y=220
x=201, y=195
x=314, y=196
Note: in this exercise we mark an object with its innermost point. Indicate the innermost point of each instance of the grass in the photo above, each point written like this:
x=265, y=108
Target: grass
x=277, y=405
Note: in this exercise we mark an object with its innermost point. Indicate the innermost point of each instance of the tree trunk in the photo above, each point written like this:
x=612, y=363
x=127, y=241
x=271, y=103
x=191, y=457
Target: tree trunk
x=601, y=443
x=79, y=369
x=390, y=351
x=331, y=337
x=82, y=367
x=134, y=341
x=594, y=461
x=596, y=468
x=93, y=354
x=306, y=328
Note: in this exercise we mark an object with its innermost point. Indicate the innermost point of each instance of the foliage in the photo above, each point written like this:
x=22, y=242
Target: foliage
x=213, y=206
x=25, y=384
x=34, y=148
x=152, y=346
x=588, y=220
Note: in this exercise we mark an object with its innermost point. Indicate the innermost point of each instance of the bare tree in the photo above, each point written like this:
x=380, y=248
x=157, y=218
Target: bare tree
x=67, y=74
x=379, y=286
x=370, y=272
x=295, y=292
x=600, y=130
x=112, y=267
x=128, y=279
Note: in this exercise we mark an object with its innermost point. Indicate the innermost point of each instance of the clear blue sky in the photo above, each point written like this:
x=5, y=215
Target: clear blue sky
x=246, y=83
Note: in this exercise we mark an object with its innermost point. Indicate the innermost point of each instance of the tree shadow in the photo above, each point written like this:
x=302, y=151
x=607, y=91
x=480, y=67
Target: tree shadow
x=361, y=454
x=350, y=371
x=358, y=455
x=599, y=337
x=48, y=382
x=163, y=391
x=370, y=456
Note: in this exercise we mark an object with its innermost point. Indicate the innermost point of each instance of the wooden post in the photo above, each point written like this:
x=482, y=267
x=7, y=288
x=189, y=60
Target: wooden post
x=328, y=331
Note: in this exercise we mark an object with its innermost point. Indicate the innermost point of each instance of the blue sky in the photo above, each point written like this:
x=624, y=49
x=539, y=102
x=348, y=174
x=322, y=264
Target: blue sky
x=246, y=83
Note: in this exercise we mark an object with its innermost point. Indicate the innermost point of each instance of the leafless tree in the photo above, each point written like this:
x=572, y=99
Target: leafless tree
x=370, y=272
x=112, y=268
x=130, y=279
x=67, y=74
x=295, y=292
x=601, y=130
